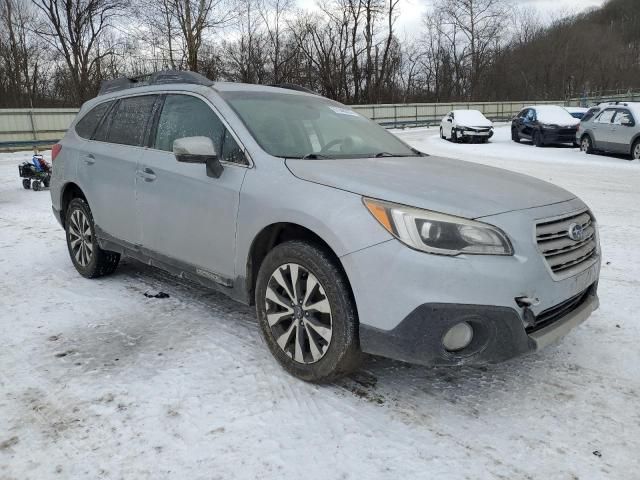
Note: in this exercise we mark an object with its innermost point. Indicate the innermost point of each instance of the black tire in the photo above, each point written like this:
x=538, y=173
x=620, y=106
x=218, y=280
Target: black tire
x=36, y=185
x=635, y=151
x=515, y=136
x=26, y=184
x=537, y=139
x=454, y=136
x=342, y=354
x=100, y=262
x=46, y=182
x=586, y=144
x=442, y=134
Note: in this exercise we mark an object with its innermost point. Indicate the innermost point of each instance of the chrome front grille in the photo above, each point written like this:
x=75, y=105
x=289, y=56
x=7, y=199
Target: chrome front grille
x=566, y=255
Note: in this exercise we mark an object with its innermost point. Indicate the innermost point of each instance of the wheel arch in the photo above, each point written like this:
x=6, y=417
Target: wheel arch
x=275, y=234
x=69, y=191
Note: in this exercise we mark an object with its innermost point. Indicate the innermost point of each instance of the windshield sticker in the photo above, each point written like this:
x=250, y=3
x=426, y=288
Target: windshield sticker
x=344, y=111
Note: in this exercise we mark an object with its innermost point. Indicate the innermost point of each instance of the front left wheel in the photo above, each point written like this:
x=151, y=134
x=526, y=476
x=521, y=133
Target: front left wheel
x=306, y=312
x=90, y=260
x=537, y=139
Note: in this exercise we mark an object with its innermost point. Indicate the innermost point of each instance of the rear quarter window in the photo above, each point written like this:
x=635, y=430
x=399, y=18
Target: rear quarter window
x=87, y=125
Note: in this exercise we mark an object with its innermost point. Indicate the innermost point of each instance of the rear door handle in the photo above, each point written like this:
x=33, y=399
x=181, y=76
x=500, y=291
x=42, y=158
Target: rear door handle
x=89, y=159
x=147, y=174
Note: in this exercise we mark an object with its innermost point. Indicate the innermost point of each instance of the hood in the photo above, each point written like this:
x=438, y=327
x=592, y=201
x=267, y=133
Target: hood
x=440, y=184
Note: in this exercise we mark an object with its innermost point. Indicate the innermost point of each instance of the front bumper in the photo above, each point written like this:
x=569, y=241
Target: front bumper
x=559, y=136
x=464, y=133
x=407, y=299
x=499, y=333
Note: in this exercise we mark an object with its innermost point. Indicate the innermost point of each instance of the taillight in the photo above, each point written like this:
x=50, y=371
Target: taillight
x=55, y=150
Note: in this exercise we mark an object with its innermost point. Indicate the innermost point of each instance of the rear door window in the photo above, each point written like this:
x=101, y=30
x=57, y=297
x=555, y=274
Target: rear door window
x=187, y=116
x=87, y=125
x=130, y=120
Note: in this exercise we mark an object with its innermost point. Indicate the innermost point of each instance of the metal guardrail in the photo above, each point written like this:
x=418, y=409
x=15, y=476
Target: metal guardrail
x=23, y=127
x=33, y=126
x=422, y=114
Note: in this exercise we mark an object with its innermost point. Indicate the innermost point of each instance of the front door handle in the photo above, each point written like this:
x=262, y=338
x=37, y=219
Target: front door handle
x=89, y=159
x=147, y=174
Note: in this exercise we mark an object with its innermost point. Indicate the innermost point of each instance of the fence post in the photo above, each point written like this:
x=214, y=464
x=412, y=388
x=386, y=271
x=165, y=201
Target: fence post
x=33, y=126
x=416, y=124
x=395, y=115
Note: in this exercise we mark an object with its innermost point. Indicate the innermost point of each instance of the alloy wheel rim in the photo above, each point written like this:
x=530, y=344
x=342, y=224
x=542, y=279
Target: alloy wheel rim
x=80, y=238
x=585, y=145
x=298, y=313
x=636, y=152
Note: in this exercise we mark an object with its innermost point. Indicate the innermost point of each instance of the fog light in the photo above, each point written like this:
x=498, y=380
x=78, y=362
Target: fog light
x=458, y=337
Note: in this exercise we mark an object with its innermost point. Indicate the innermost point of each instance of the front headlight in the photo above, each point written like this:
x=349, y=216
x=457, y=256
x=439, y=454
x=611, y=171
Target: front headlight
x=438, y=233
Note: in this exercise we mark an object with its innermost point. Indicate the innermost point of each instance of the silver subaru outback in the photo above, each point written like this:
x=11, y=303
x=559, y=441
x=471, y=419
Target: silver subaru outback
x=346, y=239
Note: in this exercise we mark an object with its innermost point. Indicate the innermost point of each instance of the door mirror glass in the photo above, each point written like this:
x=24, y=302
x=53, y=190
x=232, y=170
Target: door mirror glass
x=449, y=120
x=198, y=150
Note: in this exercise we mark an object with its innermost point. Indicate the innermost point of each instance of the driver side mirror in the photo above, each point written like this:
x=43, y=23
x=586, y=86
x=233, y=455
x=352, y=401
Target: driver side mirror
x=449, y=120
x=198, y=150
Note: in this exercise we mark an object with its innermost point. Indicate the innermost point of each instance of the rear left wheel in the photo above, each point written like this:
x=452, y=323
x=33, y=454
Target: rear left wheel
x=26, y=184
x=586, y=145
x=306, y=312
x=635, y=151
x=90, y=260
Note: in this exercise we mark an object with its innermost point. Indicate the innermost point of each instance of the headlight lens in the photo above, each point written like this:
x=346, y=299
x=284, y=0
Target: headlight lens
x=438, y=233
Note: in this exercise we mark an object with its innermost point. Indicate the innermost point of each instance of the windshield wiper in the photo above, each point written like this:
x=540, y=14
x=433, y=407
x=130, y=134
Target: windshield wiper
x=419, y=153
x=385, y=154
x=313, y=156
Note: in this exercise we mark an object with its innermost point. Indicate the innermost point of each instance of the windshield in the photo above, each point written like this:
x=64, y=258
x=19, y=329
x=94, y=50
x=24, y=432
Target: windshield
x=554, y=115
x=304, y=126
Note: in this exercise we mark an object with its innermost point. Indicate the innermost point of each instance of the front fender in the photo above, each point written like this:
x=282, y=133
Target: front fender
x=274, y=195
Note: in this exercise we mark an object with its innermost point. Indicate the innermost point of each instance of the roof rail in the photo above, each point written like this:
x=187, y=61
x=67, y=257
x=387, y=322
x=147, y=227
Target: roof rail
x=157, y=78
x=293, y=86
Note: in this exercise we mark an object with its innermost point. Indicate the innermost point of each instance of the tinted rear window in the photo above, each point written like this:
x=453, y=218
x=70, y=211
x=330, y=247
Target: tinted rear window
x=87, y=125
x=130, y=120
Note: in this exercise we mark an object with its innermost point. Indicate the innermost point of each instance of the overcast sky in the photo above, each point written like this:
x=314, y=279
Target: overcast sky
x=412, y=10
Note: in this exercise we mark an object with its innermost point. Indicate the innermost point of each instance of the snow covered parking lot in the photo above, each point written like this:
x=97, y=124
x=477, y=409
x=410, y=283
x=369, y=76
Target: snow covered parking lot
x=99, y=381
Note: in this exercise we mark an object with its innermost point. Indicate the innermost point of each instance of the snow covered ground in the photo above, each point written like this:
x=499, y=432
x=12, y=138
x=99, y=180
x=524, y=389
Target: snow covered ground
x=99, y=381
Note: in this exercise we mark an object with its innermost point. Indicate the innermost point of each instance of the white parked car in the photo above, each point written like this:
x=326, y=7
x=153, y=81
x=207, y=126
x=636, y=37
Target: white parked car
x=466, y=126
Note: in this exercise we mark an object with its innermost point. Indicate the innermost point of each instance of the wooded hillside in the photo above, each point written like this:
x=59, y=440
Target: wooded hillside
x=56, y=52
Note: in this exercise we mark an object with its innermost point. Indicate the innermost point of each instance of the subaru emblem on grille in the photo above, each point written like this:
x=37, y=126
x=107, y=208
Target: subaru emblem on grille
x=576, y=232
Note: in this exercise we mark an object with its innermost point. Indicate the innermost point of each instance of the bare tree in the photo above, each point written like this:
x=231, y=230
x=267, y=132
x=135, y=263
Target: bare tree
x=21, y=53
x=74, y=28
x=195, y=18
x=480, y=24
